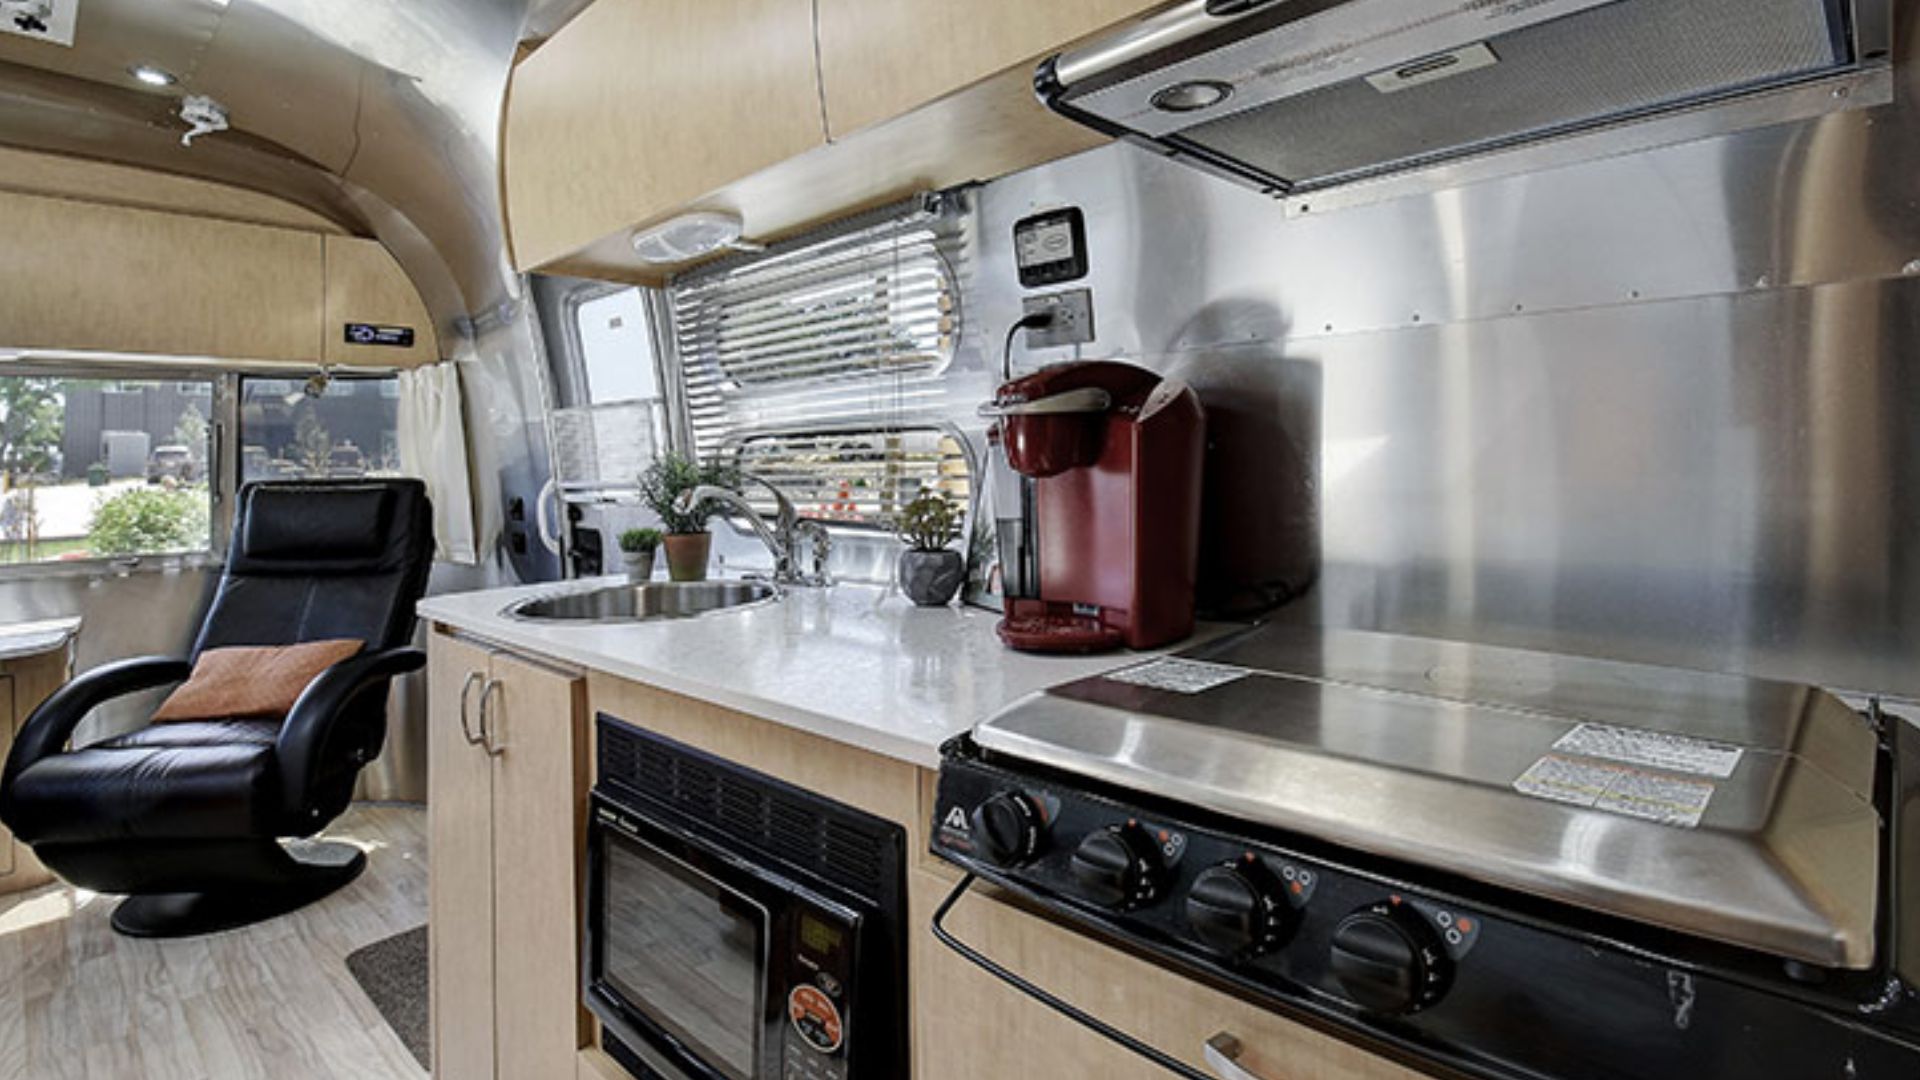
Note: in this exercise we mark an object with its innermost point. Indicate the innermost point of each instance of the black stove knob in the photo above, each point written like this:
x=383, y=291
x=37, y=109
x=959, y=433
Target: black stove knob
x=1240, y=909
x=1389, y=959
x=1120, y=867
x=1009, y=828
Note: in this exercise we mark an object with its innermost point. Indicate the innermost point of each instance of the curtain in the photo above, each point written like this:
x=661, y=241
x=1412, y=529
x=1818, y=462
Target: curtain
x=433, y=447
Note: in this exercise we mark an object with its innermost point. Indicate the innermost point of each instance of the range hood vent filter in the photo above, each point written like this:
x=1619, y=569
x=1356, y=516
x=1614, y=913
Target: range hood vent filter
x=1324, y=93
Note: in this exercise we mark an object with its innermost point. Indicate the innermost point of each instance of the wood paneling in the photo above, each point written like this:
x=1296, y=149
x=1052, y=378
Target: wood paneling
x=539, y=830
x=25, y=682
x=990, y=129
x=1149, y=1002
x=84, y=276
x=366, y=285
x=639, y=106
x=879, y=61
x=57, y=175
x=460, y=854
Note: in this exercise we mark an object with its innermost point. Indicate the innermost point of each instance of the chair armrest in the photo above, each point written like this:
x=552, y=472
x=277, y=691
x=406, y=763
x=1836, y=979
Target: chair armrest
x=303, y=737
x=50, y=726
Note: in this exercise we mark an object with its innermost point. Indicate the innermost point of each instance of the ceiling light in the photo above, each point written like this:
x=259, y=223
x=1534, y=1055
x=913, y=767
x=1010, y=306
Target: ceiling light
x=689, y=236
x=151, y=75
x=1191, y=96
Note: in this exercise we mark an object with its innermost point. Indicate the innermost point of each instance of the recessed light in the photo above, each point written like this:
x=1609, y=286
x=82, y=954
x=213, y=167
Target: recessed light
x=151, y=75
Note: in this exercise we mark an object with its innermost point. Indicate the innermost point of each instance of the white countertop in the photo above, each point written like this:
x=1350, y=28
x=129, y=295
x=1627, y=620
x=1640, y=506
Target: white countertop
x=853, y=663
x=23, y=639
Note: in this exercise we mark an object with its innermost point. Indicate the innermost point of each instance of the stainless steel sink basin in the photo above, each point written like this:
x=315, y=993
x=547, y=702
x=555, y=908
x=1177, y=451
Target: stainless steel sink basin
x=636, y=603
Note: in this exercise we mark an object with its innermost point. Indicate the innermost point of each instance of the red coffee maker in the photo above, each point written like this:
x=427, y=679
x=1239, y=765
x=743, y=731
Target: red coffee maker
x=1109, y=543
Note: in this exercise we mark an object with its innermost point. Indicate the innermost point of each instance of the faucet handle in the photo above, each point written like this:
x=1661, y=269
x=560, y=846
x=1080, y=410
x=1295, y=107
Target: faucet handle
x=820, y=545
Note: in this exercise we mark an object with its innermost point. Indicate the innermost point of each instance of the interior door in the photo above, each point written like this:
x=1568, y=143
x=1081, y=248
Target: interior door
x=460, y=863
x=536, y=737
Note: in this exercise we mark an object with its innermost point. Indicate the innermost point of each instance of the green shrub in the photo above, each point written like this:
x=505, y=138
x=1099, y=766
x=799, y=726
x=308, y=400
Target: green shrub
x=145, y=521
x=635, y=541
x=929, y=523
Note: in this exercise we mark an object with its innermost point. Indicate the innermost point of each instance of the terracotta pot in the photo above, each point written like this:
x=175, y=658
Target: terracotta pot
x=687, y=555
x=930, y=578
x=639, y=565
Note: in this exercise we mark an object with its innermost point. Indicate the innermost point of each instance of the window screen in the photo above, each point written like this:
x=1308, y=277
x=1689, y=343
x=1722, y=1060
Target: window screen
x=819, y=367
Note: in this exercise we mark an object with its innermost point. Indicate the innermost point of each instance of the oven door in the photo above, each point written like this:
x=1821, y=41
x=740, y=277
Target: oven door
x=687, y=947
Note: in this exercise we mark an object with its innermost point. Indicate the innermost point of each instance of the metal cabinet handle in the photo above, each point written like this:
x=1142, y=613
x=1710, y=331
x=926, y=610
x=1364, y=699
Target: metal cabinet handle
x=1064, y=1008
x=466, y=691
x=494, y=749
x=1230, y=1058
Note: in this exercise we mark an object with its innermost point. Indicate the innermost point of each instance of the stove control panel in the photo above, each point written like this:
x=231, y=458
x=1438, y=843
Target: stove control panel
x=1264, y=913
x=1480, y=985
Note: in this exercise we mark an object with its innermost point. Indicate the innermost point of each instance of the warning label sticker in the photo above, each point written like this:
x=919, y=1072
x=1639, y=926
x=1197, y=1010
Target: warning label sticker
x=1669, y=800
x=1179, y=676
x=1654, y=749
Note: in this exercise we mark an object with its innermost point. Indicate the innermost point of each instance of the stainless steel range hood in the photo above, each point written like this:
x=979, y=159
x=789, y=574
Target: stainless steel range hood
x=1293, y=96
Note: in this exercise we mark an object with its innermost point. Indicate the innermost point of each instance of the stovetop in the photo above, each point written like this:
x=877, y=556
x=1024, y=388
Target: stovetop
x=1738, y=810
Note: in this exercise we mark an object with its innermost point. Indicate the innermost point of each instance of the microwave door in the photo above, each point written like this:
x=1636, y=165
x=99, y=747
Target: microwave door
x=688, y=954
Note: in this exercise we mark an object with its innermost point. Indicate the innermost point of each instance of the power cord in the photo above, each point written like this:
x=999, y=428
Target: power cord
x=1033, y=320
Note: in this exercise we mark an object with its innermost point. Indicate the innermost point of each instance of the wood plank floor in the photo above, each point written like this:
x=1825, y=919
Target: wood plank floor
x=270, y=1001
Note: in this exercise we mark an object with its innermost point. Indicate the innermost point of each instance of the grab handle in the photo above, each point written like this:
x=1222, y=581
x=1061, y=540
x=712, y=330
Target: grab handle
x=1229, y=1057
x=1071, y=1012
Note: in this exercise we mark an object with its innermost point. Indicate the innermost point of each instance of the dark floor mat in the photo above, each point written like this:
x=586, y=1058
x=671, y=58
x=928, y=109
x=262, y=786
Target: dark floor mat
x=393, y=972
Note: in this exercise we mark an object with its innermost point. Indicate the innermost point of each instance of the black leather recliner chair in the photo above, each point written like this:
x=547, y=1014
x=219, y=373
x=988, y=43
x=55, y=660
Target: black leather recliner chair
x=187, y=817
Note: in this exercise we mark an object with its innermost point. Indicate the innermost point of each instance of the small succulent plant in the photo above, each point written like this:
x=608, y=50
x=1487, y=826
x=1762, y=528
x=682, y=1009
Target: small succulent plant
x=929, y=523
x=639, y=541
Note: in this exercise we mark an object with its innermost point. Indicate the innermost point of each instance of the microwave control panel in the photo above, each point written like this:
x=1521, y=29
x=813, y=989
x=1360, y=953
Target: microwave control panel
x=818, y=994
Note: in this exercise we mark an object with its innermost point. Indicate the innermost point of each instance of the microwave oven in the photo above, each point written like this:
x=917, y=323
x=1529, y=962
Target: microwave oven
x=739, y=928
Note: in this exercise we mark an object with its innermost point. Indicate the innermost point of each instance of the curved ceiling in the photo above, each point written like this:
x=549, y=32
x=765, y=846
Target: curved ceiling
x=381, y=115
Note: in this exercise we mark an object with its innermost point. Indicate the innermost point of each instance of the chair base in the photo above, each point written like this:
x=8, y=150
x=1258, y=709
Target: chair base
x=313, y=871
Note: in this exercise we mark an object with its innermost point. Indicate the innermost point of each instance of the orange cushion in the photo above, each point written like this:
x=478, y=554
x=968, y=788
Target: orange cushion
x=252, y=680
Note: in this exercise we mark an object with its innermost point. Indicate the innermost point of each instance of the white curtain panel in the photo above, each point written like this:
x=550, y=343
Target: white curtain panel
x=433, y=447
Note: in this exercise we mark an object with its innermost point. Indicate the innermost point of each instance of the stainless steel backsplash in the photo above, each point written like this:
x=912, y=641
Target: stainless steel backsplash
x=1657, y=407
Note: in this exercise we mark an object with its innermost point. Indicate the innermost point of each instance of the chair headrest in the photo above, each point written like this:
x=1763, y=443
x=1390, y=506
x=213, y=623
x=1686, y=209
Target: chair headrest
x=328, y=527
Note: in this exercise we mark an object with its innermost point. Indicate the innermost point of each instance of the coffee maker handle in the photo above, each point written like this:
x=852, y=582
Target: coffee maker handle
x=1090, y=399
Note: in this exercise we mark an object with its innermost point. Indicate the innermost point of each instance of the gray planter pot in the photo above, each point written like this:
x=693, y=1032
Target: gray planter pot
x=930, y=578
x=639, y=566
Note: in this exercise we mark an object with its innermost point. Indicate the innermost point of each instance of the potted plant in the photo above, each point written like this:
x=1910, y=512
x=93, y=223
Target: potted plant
x=930, y=571
x=687, y=541
x=636, y=549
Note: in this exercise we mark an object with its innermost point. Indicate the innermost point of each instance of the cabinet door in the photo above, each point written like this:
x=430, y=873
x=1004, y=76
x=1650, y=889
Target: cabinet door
x=460, y=867
x=878, y=61
x=637, y=107
x=536, y=728
x=970, y=1025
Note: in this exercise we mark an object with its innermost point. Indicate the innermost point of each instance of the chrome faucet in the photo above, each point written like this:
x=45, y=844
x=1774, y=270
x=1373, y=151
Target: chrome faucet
x=782, y=538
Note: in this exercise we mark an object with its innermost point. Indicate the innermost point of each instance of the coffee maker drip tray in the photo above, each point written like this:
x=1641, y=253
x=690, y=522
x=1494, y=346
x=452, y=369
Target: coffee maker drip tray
x=1055, y=633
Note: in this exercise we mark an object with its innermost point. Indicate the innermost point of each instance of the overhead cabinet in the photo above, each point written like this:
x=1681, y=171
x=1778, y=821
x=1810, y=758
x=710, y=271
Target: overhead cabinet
x=882, y=60
x=642, y=109
x=639, y=106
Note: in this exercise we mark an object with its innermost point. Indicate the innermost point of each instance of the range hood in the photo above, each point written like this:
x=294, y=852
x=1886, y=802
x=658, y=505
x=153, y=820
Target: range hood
x=1293, y=96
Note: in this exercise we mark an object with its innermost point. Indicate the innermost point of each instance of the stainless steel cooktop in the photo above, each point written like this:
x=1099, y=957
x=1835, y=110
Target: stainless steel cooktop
x=1734, y=809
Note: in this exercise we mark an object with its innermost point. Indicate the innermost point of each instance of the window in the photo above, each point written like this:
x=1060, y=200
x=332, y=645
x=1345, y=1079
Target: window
x=616, y=348
x=93, y=468
x=820, y=366
x=310, y=429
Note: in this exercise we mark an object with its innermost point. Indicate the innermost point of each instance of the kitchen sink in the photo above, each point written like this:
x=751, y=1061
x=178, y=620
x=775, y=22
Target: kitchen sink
x=638, y=603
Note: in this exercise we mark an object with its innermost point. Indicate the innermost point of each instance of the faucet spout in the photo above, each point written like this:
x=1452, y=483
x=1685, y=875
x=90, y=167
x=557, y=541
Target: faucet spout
x=778, y=537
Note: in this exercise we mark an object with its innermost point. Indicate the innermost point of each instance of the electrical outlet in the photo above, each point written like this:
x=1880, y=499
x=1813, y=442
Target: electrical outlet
x=1072, y=318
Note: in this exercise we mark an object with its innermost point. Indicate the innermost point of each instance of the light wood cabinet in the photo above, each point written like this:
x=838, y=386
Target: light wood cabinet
x=506, y=782
x=26, y=679
x=637, y=107
x=879, y=61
